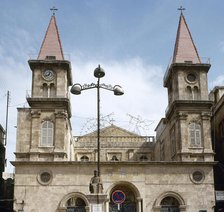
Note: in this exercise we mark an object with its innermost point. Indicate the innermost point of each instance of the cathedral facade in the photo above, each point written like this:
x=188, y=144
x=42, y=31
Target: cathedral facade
x=172, y=171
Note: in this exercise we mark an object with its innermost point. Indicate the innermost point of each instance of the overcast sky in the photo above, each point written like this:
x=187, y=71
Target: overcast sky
x=133, y=40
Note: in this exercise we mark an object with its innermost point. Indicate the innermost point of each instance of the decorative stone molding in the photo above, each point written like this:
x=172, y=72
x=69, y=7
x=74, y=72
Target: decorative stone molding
x=63, y=204
x=45, y=177
x=182, y=116
x=61, y=114
x=157, y=204
x=35, y=113
x=197, y=176
x=206, y=115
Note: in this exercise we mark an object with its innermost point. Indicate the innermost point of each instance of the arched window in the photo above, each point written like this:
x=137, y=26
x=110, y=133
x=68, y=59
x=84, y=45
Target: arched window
x=192, y=93
x=196, y=93
x=169, y=204
x=84, y=158
x=195, y=134
x=114, y=158
x=189, y=93
x=52, y=90
x=47, y=131
x=45, y=90
x=143, y=158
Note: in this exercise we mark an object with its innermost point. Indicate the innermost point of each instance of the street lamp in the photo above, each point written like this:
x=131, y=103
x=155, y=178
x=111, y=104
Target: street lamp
x=118, y=91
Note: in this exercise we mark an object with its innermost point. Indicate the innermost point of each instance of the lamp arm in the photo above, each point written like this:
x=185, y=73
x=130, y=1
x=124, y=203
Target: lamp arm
x=88, y=86
x=106, y=87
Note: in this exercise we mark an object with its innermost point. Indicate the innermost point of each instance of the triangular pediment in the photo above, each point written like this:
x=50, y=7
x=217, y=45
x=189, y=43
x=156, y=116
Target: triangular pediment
x=113, y=131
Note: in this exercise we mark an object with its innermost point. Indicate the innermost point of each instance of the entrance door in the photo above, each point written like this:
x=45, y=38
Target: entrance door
x=129, y=205
x=123, y=207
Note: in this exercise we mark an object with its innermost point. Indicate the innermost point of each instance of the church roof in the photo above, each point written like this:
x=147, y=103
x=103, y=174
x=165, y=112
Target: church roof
x=185, y=50
x=51, y=46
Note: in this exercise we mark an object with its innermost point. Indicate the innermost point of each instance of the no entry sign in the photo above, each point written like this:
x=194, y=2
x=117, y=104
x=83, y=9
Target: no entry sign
x=118, y=197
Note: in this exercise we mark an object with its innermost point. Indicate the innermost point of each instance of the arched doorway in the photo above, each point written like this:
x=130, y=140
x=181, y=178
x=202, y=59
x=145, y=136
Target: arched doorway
x=76, y=204
x=130, y=203
x=170, y=204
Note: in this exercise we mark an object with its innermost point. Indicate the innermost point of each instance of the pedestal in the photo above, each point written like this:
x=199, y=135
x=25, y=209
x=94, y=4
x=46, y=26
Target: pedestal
x=97, y=202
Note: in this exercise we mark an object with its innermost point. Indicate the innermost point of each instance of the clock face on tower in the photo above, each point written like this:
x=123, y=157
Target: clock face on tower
x=48, y=74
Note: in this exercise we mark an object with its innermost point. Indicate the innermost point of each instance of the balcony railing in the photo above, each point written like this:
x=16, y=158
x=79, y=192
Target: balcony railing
x=203, y=60
x=67, y=56
x=113, y=141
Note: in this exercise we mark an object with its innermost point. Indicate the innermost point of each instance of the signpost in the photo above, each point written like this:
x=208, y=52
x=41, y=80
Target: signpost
x=219, y=195
x=118, y=197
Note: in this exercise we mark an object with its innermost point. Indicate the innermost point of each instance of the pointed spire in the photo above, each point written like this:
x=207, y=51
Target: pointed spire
x=51, y=46
x=184, y=50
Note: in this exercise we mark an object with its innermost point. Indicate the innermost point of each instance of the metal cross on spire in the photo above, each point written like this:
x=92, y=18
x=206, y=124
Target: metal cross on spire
x=53, y=9
x=181, y=9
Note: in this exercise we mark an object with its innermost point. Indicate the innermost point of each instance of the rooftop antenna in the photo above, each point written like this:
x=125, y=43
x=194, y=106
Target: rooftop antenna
x=53, y=9
x=181, y=9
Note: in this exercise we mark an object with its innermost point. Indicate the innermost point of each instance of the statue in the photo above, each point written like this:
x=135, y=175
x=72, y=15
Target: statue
x=96, y=185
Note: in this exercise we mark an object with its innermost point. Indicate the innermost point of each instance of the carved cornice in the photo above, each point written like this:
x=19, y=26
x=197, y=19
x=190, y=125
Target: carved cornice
x=182, y=115
x=61, y=114
x=35, y=113
x=206, y=115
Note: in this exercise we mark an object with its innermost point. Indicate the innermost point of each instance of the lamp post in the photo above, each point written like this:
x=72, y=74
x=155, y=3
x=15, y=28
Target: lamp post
x=118, y=91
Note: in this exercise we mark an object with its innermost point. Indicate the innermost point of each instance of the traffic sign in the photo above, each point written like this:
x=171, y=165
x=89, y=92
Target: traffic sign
x=118, y=197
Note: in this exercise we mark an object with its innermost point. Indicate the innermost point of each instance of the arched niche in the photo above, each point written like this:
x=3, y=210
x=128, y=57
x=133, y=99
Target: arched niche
x=172, y=198
x=74, y=199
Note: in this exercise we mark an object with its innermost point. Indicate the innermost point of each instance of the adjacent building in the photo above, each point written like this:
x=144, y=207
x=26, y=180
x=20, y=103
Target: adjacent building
x=172, y=171
x=6, y=182
x=218, y=143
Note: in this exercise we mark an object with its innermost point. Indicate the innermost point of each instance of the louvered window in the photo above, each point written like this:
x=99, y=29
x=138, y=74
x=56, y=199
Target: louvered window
x=47, y=129
x=195, y=134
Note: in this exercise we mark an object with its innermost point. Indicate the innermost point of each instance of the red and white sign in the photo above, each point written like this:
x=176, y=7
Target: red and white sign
x=118, y=197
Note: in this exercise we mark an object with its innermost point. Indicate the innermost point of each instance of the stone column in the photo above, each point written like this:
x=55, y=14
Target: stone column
x=61, y=136
x=182, y=137
x=206, y=137
x=35, y=134
x=139, y=204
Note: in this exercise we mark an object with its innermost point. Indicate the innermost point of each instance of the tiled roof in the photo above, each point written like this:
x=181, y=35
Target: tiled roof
x=51, y=46
x=185, y=50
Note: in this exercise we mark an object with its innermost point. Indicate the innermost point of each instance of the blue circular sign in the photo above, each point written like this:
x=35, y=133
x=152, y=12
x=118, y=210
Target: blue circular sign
x=118, y=197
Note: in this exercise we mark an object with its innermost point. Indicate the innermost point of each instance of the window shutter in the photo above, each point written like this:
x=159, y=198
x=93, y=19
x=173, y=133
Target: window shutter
x=195, y=134
x=47, y=134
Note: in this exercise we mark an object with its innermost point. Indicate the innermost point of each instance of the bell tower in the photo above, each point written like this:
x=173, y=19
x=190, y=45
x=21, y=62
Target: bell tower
x=188, y=112
x=44, y=129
